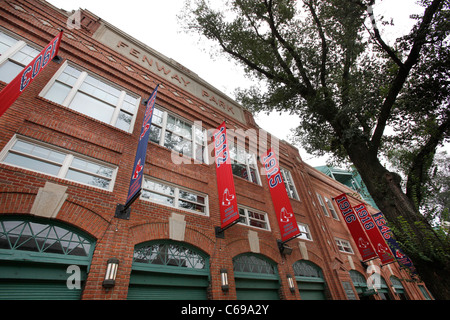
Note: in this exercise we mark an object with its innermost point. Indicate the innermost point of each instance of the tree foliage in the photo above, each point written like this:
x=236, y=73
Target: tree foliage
x=358, y=98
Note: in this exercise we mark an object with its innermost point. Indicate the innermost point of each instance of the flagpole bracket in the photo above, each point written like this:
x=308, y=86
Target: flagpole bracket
x=122, y=212
x=220, y=231
x=283, y=247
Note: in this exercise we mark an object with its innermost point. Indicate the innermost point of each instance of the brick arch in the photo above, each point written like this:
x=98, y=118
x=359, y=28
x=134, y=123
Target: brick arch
x=84, y=218
x=75, y=214
x=266, y=248
x=160, y=230
x=16, y=202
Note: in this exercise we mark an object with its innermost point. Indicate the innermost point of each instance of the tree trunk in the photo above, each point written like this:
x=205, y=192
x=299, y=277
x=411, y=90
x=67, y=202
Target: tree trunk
x=420, y=242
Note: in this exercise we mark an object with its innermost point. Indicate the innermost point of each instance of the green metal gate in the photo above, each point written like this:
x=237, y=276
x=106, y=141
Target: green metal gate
x=310, y=281
x=168, y=270
x=35, y=255
x=256, y=278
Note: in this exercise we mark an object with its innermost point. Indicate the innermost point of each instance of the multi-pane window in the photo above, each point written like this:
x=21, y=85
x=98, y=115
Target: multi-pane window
x=322, y=204
x=253, y=218
x=331, y=208
x=178, y=134
x=174, y=196
x=14, y=56
x=92, y=96
x=244, y=164
x=305, y=233
x=289, y=184
x=343, y=245
x=57, y=162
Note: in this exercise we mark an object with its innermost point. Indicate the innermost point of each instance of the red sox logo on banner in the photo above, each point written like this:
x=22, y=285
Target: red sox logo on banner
x=356, y=230
x=374, y=234
x=285, y=216
x=141, y=152
x=229, y=212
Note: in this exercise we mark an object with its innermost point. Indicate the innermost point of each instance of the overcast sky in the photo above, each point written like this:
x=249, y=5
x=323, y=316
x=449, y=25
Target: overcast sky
x=155, y=23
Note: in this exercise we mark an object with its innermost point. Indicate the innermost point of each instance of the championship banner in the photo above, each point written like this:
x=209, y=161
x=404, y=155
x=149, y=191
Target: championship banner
x=364, y=247
x=374, y=234
x=282, y=205
x=139, y=161
x=12, y=91
x=401, y=258
x=229, y=212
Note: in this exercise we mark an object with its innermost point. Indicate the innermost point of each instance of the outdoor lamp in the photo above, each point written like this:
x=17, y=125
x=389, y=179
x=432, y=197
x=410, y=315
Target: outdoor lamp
x=224, y=277
x=291, y=283
x=111, y=272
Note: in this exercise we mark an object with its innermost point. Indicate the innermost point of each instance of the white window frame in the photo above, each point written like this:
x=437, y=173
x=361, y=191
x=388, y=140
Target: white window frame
x=194, y=126
x=322, y=204
x=331, y=208
x=287, y=176
x=247, y=164
x=344, y=244
x=15, y=48
x=305, y=232
x=176, y=196
x=66, y=164
x=76, y=88
x=248, y=218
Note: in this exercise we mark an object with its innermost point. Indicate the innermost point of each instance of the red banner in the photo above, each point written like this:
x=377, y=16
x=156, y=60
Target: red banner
x=229, y=212
x=362, y=241
x=282, y=205
x=374, y=234
x=12, y=91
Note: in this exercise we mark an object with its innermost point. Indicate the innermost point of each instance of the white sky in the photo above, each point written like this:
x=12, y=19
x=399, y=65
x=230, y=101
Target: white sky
x=154, y=22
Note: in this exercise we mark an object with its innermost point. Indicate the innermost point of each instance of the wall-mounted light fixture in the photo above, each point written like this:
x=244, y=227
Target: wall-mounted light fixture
x=224, y=279
x=290, y=283
x=111, y=272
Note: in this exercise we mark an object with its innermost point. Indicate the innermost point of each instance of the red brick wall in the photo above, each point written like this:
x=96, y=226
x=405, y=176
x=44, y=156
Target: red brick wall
x=92, y=210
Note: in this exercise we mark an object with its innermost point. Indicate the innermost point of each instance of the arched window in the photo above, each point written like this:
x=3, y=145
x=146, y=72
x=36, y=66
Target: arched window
x=35, y=256
x=256, y=277
x=398, y=287
x=168, y=270
x=310, y=280
x=169, y=254
x=40, y=236
x=254, y=264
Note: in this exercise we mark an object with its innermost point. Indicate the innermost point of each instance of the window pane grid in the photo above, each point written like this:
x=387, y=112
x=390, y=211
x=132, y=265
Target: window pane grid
x=28, y=155
x=93, y=97
x=243, y=164
x=252, y=218
x=176, y=134
x=344, y=246
x=174, y=196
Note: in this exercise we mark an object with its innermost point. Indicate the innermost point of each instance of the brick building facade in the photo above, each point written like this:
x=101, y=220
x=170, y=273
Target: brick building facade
x=67, y=147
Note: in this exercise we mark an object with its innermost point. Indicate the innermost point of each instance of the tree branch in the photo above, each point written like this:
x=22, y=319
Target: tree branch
x=422, y=162
x=289, y=48
x=402, y=75
x=324, y=46
x=380, y=41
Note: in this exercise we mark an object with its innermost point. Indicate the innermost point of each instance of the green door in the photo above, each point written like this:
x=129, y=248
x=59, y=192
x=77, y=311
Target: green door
x=256, y=289
x=256, y=277
x=34, y=258
x=168, y=270
x=310, y=289
x=310, y=281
